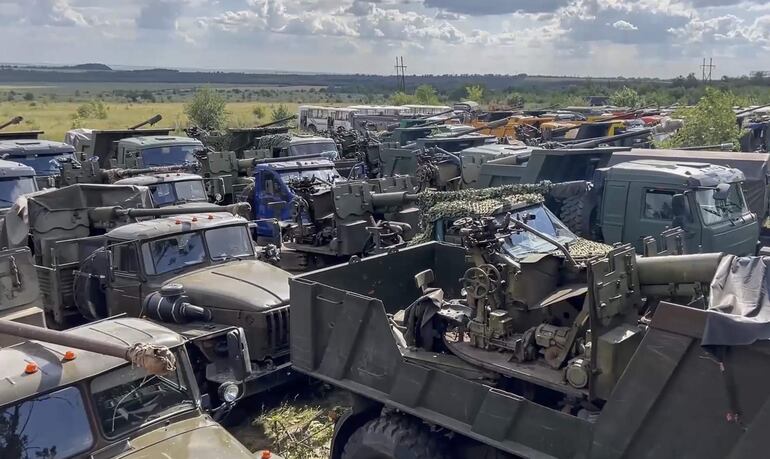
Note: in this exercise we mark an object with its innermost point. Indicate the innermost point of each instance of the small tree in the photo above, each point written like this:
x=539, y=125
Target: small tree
x=474, y=93
x=280, y=112
x=259, y=112
x=401, y=98
x=426, y=94
x=29, y=96
x=710, y=122
x=626, y=97
x=515, y=100
x=207, y=109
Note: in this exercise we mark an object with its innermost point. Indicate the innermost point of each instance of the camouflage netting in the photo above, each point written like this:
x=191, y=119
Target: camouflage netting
x=437, y=205
x=273, y=141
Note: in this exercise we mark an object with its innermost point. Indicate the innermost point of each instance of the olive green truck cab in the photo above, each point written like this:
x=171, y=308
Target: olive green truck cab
x=60, y=401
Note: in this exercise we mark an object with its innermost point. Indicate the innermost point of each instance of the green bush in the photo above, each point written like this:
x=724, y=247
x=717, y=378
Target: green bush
x=710, y=122
x=207, y=109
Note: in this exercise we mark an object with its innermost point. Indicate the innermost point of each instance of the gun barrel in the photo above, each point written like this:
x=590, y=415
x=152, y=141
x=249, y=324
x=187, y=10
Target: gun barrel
x=273, y=123
x=237, y=208
x=600, y=140
x=492, y=125
x=393, y=199
x=11, y=122
x=743, y=112
x=678, y=269
x=154, y=359
x=150, y=121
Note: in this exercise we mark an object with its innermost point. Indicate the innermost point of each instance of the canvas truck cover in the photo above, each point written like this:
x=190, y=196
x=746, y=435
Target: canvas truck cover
x=755, y=166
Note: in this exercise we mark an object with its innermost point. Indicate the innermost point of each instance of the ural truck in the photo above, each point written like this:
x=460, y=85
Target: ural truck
x=16, y=180
x=171, y=188
x=44, y=156
x=535, y=352
x=118, y=388
x=100, y=250
x=619, y=203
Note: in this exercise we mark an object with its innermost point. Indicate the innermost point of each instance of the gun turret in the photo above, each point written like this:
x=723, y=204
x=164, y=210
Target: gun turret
x=151, y=121
x=154, y=359
x=592, y=143
x=11, y=122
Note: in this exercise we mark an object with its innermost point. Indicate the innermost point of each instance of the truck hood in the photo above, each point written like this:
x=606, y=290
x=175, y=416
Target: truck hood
x=193, y=438
x=240, y=285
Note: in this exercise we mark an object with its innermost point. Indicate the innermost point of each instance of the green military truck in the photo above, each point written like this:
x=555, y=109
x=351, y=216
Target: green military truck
x=101, y=250
x=118, y=388
x=171, y=188
x=538, y=351
x=619, y=203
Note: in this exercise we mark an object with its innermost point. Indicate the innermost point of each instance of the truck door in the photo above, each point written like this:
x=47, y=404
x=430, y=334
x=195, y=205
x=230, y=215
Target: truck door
x=125, y=292
x=613, y=207
x=271, y=201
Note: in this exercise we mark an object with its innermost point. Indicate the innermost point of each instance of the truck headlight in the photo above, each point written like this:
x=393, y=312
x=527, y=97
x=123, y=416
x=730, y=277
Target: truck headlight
x=229, y=392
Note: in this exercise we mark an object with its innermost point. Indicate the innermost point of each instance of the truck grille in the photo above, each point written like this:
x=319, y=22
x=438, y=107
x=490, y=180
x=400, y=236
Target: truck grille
x=277, y=322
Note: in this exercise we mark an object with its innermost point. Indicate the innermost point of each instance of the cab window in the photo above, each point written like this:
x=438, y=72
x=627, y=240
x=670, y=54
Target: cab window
x=125, y=258
x=53, y=425
x=657, y=205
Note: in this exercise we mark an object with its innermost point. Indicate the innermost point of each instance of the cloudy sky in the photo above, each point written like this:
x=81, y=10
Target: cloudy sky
x=564, y=37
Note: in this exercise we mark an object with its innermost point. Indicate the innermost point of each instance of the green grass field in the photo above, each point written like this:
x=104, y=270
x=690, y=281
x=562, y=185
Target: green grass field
x=56, y=118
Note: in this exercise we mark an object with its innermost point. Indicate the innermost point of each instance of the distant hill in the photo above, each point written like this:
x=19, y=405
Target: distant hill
x=64, y=68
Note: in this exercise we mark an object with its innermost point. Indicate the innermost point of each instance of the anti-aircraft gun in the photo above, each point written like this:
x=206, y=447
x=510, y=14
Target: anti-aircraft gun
x=17, y=135
x=11, y=122
x=538, y=354
x=239, y=140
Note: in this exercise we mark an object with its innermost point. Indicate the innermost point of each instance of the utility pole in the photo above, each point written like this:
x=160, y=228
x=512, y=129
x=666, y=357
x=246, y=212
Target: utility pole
x=401, y=74
x=706, y=70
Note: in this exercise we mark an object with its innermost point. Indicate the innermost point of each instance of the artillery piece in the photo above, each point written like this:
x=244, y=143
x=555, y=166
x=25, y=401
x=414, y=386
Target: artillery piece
x=17, y=135
x=13, y=121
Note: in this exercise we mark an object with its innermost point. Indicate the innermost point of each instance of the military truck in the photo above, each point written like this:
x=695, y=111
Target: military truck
x=44, y=156
x=194, y=269
x=619, y=203
x=118, y=388
x=536, y=352
x=16, y=180
x=171, y=188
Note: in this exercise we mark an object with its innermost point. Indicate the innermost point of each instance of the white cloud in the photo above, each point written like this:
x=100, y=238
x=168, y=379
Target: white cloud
x=624, y=25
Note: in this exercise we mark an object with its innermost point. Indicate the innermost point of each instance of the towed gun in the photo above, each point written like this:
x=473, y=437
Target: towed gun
x=151, y=121
x=491, y=125
x=156, y=360
x=276, y=122
x=12, y=121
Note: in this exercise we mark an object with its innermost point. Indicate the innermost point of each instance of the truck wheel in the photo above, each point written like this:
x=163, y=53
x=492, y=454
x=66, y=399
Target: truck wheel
x=394, y=437
x=575, y=214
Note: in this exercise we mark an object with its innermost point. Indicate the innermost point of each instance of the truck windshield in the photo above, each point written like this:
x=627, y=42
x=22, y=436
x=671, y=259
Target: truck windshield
x=173, y=253
x=714, y=210
x=170, y=155
x=229, y=242
x=35, y=428
x=13, y=187
x=44, y=164
x=522, y=243
x=329, y=175
x=315, y=148
x=128, y=398
x=166, y=194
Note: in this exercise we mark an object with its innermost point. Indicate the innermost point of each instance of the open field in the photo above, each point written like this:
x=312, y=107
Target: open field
x=56, y=118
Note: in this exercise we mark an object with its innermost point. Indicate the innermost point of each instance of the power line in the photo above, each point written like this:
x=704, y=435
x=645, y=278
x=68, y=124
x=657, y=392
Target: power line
x=706, y=70
x=401, y=73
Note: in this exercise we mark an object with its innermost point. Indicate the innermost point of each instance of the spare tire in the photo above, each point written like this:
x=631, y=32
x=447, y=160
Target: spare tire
x=395, y=436
x=576, y=214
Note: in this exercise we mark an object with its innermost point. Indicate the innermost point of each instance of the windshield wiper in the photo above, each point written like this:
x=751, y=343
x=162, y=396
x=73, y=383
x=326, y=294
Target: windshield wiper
x=711, y=211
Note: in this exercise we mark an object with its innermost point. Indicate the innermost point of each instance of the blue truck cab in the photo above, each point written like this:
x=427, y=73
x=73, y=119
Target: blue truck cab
x=272, y=193
x=43, y=156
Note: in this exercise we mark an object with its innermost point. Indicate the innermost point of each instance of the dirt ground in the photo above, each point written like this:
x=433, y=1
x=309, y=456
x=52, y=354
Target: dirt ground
x=296, y=423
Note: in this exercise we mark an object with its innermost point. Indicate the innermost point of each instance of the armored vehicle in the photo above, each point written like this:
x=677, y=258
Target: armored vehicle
x=16, y=180
x=119, y=388
x=44, y=156
x=537, y=351
x=172, y=188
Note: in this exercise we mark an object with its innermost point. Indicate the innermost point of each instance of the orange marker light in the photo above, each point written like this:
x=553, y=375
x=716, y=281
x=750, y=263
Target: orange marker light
x=266, y=454
x=211, y=217
x=31, y=368
x=195, y=219
x=178, y=222
x=69, y=355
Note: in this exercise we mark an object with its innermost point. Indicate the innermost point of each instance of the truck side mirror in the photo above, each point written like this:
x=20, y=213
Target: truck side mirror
x=678, y=205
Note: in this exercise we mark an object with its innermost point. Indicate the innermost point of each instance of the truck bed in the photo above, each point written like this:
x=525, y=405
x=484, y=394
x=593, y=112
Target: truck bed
x=672, y=401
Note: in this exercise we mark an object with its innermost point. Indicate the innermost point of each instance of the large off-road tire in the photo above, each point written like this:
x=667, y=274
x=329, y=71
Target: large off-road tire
x=576, y=213
x=395, y=436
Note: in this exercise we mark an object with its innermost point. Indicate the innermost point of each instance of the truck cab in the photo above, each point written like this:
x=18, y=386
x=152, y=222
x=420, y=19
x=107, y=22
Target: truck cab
x=272, y=192
x=41, y=155
x=16, y=179
x=643, y=197
x=196, y=273
x=155, y=151
x=171, y=189
x=63, y=402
